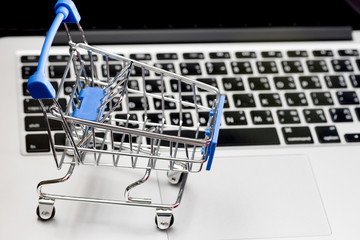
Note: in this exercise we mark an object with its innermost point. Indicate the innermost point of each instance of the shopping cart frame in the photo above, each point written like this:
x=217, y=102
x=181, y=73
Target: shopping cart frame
x=40, y=88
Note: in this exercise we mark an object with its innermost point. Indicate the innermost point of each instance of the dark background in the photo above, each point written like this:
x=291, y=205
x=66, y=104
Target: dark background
x=35, y=17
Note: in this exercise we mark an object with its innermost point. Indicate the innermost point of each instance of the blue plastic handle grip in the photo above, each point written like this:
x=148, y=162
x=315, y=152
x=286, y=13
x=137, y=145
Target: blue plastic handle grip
x=213, y=143
x=39, y=85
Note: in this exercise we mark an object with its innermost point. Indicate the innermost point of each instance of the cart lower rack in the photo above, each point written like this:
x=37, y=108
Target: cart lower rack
x=97, y=136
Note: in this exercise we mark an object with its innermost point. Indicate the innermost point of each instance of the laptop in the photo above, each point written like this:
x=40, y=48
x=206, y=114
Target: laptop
x=286, y=165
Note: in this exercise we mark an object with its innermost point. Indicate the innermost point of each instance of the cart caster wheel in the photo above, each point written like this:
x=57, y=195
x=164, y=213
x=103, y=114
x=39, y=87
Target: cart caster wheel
x=164, y=219
x=174, y=177
x=45, y=215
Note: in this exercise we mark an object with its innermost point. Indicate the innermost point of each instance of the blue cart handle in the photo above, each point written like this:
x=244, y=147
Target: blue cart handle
x=39, y=85
x=213, y=143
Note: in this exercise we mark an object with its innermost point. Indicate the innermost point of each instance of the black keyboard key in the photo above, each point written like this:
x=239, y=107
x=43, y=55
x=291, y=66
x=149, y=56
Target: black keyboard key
x=208, y=81
x=193, y=55
x=245, y=54
x=190, y=99
x=140, y=56
x=33, y=106
x=233, y=84
x=114, y=69
x=340, y=65
x=297, y=53
x=323, y=53
x=167, y=56
x=288, y=116
x=271, y=54
x=355, y=80
x=340, y=115
x=327, y=134
x=165, y=66
x=235, y=118
x=37, y=143
x=167, y=104
x=248, y=137
x=219, y=55
x=126, y=120
x=58, y=71
x=137, y=103
x=358, y=63
x=60, y=139
x=259, y=83
x=186, y=119
x=352, y=137
x=59, y=58
x=283, y=83
x=310, y=82
x=244, y=100
x=30, y=59
x=322, y=98
x=297, y=135
x=292, y=66
x=133, y=84
x=270, y=100
x=86, y=57
x=38, y=123
x=314, y=115
x=261, y=117
x=27, y=71
x=138, y=71
x=175, y=84
x=317, y=66
x=155, y=86
x=215, y=68
x=296, y=99
x=266, y=67
x=335, y=81
x=241, y=68
x=211, y=98
x=190, y=68
x=357, y=112
x=153, y=117
x=348, y=52
x=347, y=97
x=203, y=118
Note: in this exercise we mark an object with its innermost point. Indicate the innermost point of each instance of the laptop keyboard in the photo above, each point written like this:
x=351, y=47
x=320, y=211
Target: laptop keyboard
x=275, y=98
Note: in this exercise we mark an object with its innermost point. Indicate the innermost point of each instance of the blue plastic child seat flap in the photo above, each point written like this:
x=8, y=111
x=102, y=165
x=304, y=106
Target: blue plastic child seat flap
x=40, y=87
x=91, y=99
x=212, y=146
x=73, y=15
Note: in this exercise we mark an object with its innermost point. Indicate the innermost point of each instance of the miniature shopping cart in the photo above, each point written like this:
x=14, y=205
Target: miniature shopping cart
x=95, y=136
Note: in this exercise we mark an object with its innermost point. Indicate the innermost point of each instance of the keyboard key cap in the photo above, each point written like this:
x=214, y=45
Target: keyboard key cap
x=60, y=139
x=167, y=104
x=283, y=83
x=241, y=68
x=259, y=83
x=203, y=118
x=219, y=55
x=245, y=54
x=216, y=68
x=297, y=53
x=33, y=106
x=340, y=115
x=347, y=97
x=186, y=119
x=30, y=59
x=323, y=53
x=190, y=68
x=86, y=57
x=327, y=134
x=190, y=99
x=167, y=56
x=357, y=112
x=248, y=137
x=165, y=66
x=266, y=67
x=355, y=80
x=59, y=58
x=153, y=117
x=193, y=55
x=314, y=116
x=137, y=103
x=322, y=98
x=348, y=52
x=310, y=82
x=138, y=71
x=27, y=71
x=155, y=86
x=126, y=120
x=184, y=86
x=296, y=99
x=292, y=66
x=261, y=117
x=317, y=66
x=244, y=100
x=211, y=98
x=233, y=84
x=335, y=81
x=57, y=71
x=270, y=100
x=297, y=135
x=140, y=56
x=37, y=143
x=113, y=69
x=358, y=63
x=38, y=123
x=288, y=116
x=352, y=137
x=342, y=65
x=271, y=54
x=209, y=81
x=235, y=118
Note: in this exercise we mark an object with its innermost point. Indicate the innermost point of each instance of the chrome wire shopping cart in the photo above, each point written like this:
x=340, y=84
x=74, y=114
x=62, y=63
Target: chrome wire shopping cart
x=96, y=136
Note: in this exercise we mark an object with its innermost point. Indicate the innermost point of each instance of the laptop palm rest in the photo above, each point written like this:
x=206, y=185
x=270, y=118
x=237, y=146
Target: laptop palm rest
x=250, y=197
